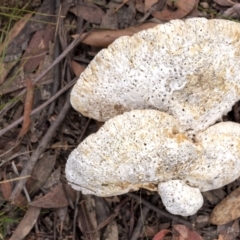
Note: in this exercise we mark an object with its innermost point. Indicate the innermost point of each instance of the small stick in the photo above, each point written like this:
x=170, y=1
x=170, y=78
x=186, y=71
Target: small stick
x=163, y=213
x=140, y=223
x=40, y=149
x=61, y=91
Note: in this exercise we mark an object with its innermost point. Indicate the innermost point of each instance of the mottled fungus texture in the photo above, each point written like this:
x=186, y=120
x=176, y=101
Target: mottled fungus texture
x=187, y=68
x=147, y=149
x=160, y=92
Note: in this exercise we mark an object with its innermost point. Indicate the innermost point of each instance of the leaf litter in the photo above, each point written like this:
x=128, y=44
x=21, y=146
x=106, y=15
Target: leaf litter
x=27, y=51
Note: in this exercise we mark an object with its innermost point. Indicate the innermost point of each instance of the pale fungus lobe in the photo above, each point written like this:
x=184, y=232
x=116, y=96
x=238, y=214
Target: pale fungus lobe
x=179, y=198
x=137, y=149
x=149, y=149
x=187, y=68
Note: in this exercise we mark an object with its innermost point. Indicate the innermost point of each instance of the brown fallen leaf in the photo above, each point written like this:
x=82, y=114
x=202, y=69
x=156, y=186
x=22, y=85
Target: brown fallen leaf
x=102, y=38
x=55, y=198
x=160, y=235
x=111, y=231
x=140, y=6
x=227, y=210
x=26, y=224
x=110, y=20
x=87, y=221
x=229, y=231
x=77, y=68
x=27, y=108
x=41, y=172
x=5, y=68
x=88, y=11
x=6, y=188
x=18, y=82
x=184, y=233
x=180, y=10
x=18, y=26
x=148, y=4
x=37, y=48
x=224, y=3
x=233, y=12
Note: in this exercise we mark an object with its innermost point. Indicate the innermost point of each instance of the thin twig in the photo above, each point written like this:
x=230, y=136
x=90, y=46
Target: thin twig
x=75, y=214
x=60, y=57
x=40, y=149
x=141, y=220
x=15, y=179
x=163, y=213
x=61, y=91
x=112, y=216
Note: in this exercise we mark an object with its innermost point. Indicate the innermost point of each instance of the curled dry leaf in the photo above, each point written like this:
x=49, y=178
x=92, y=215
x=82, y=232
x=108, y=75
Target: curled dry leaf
x=184, y=7
x=227, y=210
x=103, y=38
x=77, y=68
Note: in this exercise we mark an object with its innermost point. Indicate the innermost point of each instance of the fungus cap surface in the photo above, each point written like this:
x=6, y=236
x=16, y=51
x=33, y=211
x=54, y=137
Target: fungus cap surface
x=137, y=149
x=189, y=69
x=145, y=148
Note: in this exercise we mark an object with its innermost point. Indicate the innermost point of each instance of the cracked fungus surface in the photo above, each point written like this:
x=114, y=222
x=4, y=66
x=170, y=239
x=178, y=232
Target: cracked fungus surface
x=189, y=69
x=143, y=148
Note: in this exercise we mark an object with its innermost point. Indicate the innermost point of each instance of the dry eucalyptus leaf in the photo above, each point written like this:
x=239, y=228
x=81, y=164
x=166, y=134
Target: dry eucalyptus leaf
x=184, y=7
x=160, y=235
x=227, y=210
x=233, y=12
x=148, y=4
x=184, y=233
x=77, y=68
x=41, y=172
x=89, y=12
x=15, y=31
x=55, y=198
x=140, y=6
x=53, y=179
x=98, y=38
x=229, y=231
x=224, y=3
x=26, y=224
x=110, y=20
x=111, y=231
x=37, y=48
x=6, y=188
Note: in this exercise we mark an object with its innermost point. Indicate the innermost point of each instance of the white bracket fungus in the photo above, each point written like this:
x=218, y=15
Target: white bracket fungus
x=147, y=149
x=189, y=69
